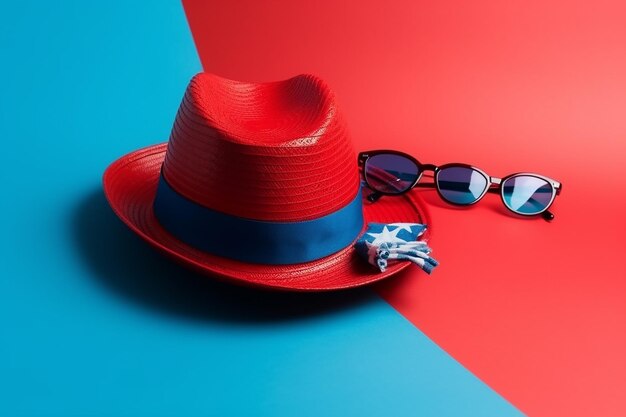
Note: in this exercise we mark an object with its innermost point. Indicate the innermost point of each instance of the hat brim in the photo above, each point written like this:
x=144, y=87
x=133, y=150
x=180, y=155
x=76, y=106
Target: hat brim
x=130, y=185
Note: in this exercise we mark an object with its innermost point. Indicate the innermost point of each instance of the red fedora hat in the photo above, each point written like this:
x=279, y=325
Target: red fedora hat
x=258, y=184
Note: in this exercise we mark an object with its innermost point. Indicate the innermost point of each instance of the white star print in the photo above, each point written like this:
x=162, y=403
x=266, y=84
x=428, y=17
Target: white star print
x=386, y=236
x=386, y=248
x=372, y=253
x=403, y=226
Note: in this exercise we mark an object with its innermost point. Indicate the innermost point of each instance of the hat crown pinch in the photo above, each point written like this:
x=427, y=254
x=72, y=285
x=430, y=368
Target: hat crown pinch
x=277, y=151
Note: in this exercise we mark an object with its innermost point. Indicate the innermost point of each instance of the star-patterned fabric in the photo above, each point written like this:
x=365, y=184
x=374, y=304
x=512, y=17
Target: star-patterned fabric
x=382, y=244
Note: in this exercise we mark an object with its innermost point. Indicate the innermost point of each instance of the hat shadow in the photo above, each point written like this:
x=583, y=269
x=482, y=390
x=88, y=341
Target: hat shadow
x=132, y=270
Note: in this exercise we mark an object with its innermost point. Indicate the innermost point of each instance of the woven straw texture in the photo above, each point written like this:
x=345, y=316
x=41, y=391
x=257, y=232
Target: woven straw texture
x=269, y=151
x=130, y=186
x=275, y=151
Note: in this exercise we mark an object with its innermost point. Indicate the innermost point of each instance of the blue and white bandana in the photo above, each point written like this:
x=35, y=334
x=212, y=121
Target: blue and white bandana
x=382, y=244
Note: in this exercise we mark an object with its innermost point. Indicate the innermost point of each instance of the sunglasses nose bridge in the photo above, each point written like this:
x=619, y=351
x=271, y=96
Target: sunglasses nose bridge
x=495, y=180
x=429, y=167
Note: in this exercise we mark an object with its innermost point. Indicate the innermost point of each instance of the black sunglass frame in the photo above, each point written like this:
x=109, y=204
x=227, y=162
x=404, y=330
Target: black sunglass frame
x=494, y=184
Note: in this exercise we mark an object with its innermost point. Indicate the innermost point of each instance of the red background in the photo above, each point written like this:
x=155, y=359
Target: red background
x=537, y=310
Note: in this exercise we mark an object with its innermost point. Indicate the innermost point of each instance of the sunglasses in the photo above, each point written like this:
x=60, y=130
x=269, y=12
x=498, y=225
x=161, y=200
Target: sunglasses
x=393, y=173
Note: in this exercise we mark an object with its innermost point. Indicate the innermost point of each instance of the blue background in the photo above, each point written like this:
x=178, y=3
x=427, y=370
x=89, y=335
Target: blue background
x=93, y=322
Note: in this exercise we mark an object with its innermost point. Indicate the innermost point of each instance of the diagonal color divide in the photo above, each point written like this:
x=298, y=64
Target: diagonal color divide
x=536, y=310
x=94, y=322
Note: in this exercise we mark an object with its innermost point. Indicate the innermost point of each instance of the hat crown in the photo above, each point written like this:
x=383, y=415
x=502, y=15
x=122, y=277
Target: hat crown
x=277, y=151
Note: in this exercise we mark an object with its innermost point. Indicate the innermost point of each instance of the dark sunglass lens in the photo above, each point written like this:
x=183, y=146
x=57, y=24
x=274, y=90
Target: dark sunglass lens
x=461, y=185
x=526, y=194
x=390, y=173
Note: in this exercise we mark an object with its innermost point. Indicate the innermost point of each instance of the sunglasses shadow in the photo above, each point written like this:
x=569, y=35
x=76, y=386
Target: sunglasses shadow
x=431, y=197
x=129, y=268
x=490, y=201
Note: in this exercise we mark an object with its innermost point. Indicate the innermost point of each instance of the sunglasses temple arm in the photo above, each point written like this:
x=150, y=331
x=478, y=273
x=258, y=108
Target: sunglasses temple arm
x=374, y=196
